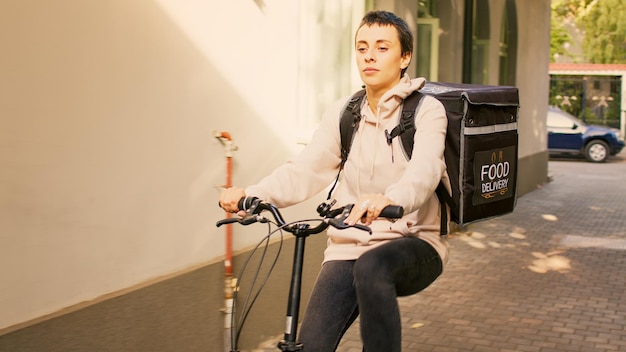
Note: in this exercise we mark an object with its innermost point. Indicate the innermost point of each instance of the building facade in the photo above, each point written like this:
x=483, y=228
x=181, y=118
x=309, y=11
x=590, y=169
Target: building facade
x=111, y=168
x=593, y=92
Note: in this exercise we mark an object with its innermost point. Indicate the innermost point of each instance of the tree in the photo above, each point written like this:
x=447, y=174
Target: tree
x=563, y=21
x=559, y=38
x=603, y=26
x=605, y=31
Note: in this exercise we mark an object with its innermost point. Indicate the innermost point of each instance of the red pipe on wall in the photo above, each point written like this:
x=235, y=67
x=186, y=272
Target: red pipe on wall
x=229, y=282
x=227, y=141
x=228, y=266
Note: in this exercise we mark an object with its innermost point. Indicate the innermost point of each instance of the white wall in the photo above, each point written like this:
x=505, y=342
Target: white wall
x=532, y=77
x=107, y=154
x=532, y=74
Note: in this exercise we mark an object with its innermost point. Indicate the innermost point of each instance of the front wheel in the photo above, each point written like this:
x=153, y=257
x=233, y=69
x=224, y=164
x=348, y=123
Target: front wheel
x=597, y=151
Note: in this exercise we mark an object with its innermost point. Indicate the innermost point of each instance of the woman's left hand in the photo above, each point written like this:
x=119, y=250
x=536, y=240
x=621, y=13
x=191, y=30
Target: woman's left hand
x=368, y=208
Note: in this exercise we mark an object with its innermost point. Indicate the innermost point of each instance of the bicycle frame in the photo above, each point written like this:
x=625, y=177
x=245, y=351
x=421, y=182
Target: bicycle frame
x=301, y=230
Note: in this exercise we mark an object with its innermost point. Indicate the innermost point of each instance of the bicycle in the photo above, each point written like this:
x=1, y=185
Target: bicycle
x=301, y=229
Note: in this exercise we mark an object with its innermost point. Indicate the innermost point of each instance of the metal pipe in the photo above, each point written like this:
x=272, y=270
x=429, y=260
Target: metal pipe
x=229, y=282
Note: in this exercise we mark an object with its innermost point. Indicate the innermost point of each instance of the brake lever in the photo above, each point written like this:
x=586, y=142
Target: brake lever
x=339, y=222
x=252, y=218
x=245, y=220
x=226, y=221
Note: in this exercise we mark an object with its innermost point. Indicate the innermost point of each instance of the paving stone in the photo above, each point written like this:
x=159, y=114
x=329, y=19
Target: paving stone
x=548, y=277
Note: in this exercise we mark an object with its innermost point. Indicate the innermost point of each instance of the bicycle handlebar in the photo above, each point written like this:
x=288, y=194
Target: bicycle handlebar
x=253, y=208
x=335, y=217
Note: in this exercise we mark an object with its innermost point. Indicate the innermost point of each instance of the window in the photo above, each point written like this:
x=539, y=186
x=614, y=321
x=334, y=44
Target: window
x=616, y=85
x=596, y=84
x=557, y=120
x=508, y=45
x=427, y=48
x=326, y=36
x=480, y=43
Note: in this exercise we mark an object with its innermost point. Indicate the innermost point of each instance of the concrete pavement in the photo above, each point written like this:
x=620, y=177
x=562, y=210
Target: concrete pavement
x=551, y=276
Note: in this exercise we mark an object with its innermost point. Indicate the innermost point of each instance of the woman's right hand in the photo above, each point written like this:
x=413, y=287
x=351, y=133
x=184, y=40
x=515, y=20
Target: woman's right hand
x=229, y=199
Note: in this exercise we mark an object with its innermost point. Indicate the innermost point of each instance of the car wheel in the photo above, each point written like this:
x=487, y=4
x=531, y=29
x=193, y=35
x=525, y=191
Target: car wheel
x=597, y=151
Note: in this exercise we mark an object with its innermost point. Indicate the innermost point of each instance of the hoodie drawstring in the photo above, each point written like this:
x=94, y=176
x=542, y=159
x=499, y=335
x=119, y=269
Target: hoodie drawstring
x=375, y=144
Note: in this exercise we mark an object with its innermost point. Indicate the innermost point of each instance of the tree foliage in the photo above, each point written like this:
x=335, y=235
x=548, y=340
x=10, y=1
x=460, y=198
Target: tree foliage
x=567, y=8
x=605, y=32
x=558, y=39
x=602, y=22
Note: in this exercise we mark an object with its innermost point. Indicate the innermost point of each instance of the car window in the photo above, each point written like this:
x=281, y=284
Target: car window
x=559, y=121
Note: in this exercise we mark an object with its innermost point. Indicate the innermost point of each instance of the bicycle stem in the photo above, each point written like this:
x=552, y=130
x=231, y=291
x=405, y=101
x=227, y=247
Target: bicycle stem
x=289, y=342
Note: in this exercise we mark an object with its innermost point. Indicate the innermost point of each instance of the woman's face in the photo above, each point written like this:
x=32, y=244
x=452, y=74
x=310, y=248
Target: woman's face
x=379, y=56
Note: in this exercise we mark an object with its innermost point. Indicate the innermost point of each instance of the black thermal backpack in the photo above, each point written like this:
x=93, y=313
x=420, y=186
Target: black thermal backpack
x=481, y=149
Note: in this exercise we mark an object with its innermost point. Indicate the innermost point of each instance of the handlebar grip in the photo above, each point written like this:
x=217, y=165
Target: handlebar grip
x=245, y=203
x=226, y=221
x=392, y=212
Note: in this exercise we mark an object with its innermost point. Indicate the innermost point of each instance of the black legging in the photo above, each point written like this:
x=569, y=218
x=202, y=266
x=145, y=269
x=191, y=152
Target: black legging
x=368, y=286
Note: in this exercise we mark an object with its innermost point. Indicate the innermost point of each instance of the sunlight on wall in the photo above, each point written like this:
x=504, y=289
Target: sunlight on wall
x=108, y=159
x=254, y=48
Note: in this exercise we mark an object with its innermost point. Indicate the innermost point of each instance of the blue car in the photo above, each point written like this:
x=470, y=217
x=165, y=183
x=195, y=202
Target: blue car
x=567, y=134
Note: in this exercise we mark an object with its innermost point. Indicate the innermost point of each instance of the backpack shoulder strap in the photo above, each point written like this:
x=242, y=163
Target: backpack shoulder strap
x=406, y=131
x=348, y=123
x=406, y=127
x=444, y=199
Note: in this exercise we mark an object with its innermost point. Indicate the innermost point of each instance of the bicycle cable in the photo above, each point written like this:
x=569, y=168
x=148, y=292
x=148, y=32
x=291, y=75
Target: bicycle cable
x=251, y=295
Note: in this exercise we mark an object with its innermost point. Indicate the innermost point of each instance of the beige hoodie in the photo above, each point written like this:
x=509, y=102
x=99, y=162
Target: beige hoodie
x=373, y=166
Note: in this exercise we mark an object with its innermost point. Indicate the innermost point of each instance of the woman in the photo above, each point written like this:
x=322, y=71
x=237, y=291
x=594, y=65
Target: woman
x=363, y=274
